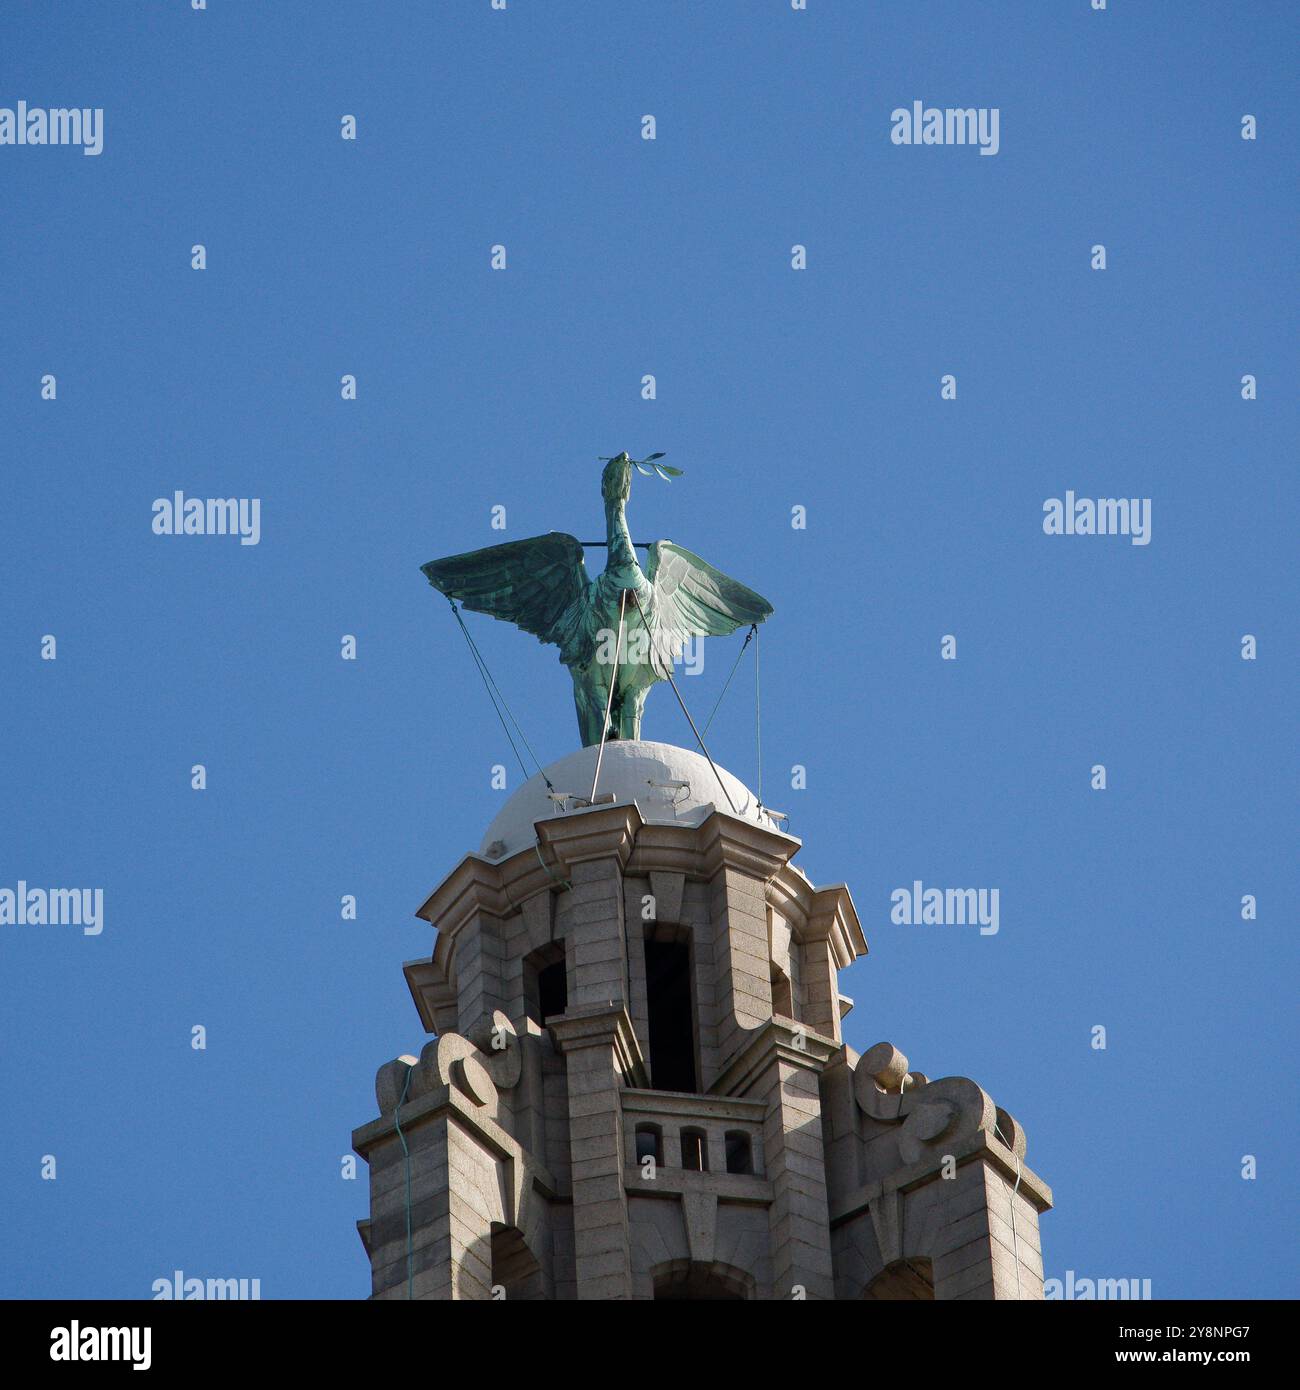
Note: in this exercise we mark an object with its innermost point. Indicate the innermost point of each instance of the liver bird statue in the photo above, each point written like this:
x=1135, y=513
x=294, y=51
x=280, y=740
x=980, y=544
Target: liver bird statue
x=542, y=586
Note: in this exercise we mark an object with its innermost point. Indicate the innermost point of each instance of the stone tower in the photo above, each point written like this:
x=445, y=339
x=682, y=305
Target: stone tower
x=638, y=1086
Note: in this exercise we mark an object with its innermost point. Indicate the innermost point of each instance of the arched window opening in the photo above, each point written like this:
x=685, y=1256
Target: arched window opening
x=782, y=993
x=672, y=1015
x=740, y=1158
x=695, y=1151
x=546, y=983
x=516, y=1275
x=683, y=1280
x=902, y=1281
x=649, y=1144
x=552, y=990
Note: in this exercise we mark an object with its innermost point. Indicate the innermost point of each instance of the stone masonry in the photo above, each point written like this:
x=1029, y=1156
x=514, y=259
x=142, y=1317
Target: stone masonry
x=529, y=1153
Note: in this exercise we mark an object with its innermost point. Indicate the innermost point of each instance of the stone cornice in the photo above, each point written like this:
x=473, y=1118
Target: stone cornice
x=478, y=885
x=427, y=982
x=790, y=895
x=474, y=885
x=528, y=873
x=681, y=1104
x=667, y=848
x=975, y=1147
x=605, y=1026
x=446, y=1100
x=740, y=1188
x=598, y=832
x=834, y=919
x=729, y=842
x=774, y=1041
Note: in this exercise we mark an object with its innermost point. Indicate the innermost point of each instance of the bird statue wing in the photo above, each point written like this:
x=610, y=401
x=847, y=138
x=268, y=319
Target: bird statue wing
x=691, y=598
x=534, y=584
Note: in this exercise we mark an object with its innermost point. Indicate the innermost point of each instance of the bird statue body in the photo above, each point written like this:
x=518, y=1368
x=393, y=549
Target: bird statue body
x=542, y=586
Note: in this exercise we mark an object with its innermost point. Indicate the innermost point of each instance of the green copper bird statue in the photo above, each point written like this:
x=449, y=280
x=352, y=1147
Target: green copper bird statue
x=542, y=586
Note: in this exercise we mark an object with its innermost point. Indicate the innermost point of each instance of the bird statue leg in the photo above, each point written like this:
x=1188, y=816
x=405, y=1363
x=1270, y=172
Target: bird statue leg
x=589, y=701
x=630, y=711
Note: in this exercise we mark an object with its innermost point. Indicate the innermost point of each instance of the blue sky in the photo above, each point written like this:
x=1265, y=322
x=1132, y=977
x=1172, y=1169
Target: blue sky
x=775, y=389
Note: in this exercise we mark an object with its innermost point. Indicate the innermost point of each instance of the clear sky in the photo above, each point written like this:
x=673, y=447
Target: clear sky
x=776, y=389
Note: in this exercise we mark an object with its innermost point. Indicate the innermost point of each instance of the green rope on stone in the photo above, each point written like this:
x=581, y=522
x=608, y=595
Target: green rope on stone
x=1015, y=1192
x=554, y=877
x=406, y=1154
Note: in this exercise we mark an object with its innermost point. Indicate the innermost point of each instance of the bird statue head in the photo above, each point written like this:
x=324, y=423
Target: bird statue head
x=616, y=480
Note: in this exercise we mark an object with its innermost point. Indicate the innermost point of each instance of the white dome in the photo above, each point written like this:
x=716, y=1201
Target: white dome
x=633, y=770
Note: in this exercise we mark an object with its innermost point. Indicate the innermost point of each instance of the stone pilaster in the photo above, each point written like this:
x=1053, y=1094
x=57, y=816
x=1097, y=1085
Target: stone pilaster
x=992, y=1251
x=601, y=1057
x=832, y=939
x=781, y=1065
x=451, y=1212
x=591, y=850
x=739, y=860
x=468, y=910
x=447, y=1179
x=948, y=1206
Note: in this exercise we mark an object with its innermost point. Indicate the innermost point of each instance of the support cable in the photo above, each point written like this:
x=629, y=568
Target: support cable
x=753, y=628
x=758, y=719
x=494, y=694
x=687, y=713
x=490, y=685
